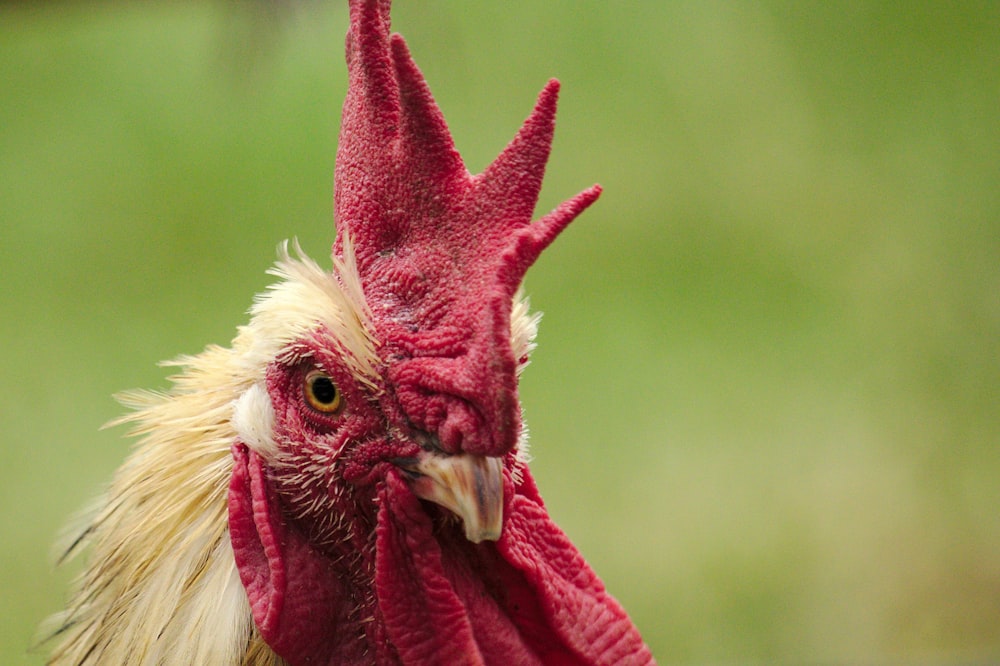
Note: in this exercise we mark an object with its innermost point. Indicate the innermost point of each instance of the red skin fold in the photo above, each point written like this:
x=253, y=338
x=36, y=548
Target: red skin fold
x=529, y=598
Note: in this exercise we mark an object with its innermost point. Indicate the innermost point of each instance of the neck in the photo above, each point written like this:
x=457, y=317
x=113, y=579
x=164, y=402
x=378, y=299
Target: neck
x=161, y=585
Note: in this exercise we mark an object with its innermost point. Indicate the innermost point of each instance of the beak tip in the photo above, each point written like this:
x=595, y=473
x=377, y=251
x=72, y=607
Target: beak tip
x=482, y=534
x=470, y=486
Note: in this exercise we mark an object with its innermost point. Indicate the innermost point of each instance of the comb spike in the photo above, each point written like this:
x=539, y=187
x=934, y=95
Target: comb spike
x=368, y=133
x=375, y=91
x=515, y=176
x=427, y=142
x=539, y=235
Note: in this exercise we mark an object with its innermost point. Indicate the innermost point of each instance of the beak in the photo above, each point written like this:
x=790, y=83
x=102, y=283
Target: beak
x=470, y=486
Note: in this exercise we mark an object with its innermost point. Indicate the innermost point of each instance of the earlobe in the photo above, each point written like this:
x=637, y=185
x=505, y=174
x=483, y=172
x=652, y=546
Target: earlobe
x=253, y=420
x=292, y=589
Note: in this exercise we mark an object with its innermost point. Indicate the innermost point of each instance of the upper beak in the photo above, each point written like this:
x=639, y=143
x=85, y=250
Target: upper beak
x=471, y=486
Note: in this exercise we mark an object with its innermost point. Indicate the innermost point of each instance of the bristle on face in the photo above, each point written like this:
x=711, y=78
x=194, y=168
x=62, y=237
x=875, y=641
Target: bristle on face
x=440, y=252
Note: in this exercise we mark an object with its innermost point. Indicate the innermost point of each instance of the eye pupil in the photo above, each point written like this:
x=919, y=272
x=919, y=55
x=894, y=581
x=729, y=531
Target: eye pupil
x=321, y=393
x=324, y=390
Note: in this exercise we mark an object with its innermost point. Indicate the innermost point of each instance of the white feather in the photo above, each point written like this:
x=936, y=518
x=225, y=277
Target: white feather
x=253, y=420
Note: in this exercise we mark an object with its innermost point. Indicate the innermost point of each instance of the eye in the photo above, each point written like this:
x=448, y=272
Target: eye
x=321, y=393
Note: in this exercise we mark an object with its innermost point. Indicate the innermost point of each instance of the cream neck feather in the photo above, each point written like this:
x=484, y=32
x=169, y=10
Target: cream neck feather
x=161, y=586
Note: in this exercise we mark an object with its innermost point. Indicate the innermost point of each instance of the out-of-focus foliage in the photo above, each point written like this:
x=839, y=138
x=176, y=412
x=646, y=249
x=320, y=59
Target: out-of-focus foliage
x=766, y=400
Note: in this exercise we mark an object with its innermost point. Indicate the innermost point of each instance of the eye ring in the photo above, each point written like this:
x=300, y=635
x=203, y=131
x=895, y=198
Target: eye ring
x=321, y=393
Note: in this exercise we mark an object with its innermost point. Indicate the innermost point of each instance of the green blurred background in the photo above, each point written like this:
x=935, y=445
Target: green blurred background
x=765, y=401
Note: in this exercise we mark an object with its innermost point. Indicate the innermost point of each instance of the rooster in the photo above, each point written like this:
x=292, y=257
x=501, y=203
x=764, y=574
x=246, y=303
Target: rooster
x=348, y=482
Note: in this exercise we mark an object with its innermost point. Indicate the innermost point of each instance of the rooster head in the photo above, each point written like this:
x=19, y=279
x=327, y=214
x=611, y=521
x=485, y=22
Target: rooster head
x=347, y=484
x=408, y=390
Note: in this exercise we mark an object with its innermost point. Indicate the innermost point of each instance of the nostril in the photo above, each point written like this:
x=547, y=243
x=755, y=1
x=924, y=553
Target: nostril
x=428, y=441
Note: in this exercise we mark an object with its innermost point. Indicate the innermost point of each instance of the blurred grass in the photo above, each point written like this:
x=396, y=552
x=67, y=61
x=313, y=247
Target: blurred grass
x=765, y=402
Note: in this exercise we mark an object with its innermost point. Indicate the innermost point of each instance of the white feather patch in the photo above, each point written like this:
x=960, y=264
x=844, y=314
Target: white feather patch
x=253, y=421
x=523, y=329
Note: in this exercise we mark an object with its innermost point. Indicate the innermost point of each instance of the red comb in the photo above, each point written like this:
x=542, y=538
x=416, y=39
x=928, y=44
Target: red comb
x=440, y=252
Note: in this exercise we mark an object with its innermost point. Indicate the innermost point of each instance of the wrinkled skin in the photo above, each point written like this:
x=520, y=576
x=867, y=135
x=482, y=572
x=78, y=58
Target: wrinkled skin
x=396, y=581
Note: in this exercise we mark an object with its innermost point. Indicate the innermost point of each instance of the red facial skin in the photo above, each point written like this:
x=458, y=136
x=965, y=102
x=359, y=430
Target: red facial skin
x=343, y=564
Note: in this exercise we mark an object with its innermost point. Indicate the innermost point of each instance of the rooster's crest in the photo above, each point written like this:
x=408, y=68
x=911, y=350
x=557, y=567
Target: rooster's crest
x=440, y=252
